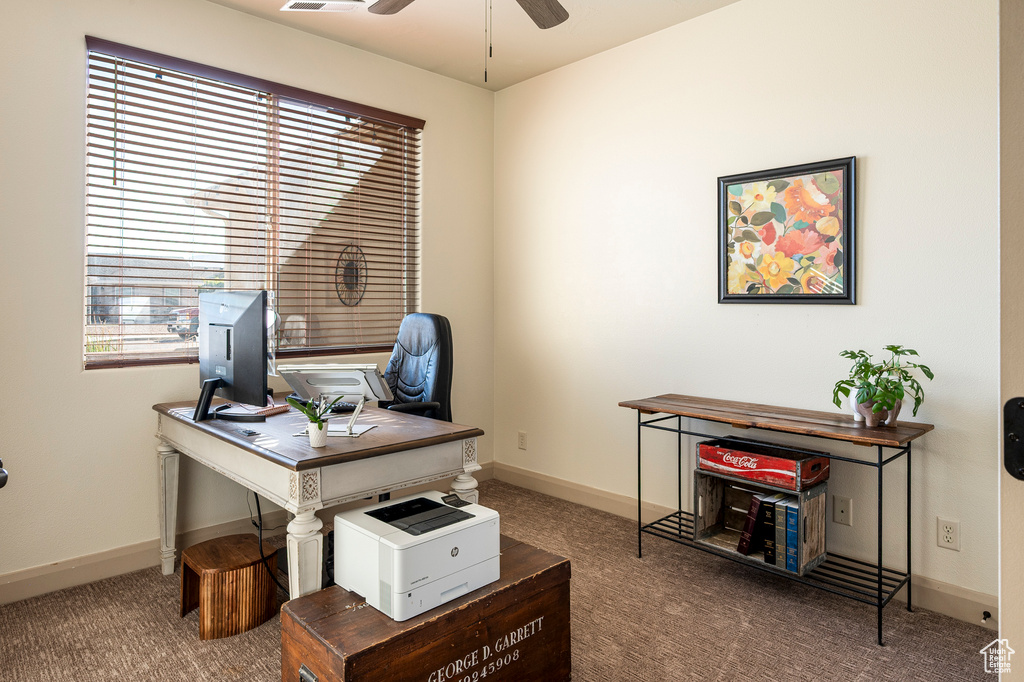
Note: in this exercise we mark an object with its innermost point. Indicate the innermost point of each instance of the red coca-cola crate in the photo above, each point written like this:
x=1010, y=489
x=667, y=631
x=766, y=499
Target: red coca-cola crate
x=764, y=463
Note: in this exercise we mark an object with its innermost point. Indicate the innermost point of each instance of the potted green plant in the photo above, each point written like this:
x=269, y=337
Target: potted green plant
x=877, y=390
x=316, y=412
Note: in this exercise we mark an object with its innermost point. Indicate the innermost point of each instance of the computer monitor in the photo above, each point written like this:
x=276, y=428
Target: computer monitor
x=351, y=383
x=232, y=352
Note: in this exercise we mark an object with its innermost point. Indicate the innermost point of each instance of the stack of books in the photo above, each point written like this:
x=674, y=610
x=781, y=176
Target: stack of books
x=771, y=526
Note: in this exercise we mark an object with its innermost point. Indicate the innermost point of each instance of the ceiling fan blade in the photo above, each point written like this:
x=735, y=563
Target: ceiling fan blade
x=388, y=6
x=545, y=13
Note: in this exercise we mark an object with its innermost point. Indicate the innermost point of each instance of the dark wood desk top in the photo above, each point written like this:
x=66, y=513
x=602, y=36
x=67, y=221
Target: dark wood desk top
x=833, y=425
x=275, y=439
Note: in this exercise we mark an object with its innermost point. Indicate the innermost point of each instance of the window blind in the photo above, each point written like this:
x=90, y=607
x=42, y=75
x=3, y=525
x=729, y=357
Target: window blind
x=201, y=179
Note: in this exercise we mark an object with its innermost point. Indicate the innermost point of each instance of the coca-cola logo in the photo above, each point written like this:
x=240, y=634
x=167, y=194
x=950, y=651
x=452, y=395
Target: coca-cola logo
x=742, y=461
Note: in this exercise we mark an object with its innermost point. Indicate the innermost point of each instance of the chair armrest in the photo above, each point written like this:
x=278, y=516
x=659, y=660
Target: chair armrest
x=415, y=408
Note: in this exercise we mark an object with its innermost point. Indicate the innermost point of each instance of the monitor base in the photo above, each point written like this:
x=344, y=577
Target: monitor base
x=203, y=411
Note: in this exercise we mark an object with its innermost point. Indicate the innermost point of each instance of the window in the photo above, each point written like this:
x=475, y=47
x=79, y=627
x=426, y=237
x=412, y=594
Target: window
x=200, y=179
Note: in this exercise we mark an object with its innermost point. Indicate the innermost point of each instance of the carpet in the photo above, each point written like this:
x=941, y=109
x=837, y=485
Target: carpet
x=676, y=614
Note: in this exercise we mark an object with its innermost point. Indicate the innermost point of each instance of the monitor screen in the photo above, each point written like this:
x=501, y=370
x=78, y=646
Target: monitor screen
x=232, y=347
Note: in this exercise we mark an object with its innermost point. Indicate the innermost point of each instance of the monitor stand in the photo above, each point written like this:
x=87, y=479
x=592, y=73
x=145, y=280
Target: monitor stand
x=203, y=411
x=348, y=431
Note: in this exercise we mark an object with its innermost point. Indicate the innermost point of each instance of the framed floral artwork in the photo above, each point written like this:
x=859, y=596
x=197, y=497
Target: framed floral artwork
x=786, y=235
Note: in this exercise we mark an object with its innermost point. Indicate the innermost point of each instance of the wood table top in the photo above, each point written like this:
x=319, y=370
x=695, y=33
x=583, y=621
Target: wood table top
x=833, y=425
x=275, y=439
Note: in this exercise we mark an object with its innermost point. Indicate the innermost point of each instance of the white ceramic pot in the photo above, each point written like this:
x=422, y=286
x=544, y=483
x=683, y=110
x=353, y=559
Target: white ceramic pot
x=851, y=405
x=317, y=437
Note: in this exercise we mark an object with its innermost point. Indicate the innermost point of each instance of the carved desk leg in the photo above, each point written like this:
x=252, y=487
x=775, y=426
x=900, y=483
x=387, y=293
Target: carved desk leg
x=168, y=505
x=464, y=484
x=305, y=554
x=305, y=542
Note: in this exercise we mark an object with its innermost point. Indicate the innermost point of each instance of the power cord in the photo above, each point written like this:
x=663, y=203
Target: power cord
x=259, y=527
x=252, y=520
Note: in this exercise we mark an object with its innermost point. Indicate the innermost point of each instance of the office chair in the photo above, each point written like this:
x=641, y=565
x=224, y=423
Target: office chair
x=419, y=372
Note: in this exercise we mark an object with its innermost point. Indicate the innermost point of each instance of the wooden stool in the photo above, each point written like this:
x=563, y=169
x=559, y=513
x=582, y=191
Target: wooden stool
x=226, y=579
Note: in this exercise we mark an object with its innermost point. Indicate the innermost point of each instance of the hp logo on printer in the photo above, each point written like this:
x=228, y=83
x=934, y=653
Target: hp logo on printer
x=455, y=552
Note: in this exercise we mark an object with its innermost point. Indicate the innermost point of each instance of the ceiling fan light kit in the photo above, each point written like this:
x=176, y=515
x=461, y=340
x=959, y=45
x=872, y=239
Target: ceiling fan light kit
x=322, y=5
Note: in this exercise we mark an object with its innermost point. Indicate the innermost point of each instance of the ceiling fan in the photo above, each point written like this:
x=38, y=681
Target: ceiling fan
x=545, y=13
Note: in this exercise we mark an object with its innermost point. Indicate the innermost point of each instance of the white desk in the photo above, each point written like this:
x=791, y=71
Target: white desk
x=403, y=450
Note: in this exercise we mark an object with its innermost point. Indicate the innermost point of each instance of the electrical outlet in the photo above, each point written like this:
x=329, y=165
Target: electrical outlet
x=949, y=534
x=522, y=440
x=842, y=510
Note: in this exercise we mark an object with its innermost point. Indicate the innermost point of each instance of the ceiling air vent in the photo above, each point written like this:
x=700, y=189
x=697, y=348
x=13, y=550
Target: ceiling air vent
x=326, y=6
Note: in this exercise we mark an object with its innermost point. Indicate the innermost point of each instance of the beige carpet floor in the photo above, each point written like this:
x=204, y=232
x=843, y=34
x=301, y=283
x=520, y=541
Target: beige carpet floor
x=676, y=614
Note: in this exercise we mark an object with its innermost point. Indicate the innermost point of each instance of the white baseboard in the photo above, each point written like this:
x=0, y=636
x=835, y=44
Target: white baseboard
x=950, y=600
x=32, y=582
x=595, y=498
x=954, y=601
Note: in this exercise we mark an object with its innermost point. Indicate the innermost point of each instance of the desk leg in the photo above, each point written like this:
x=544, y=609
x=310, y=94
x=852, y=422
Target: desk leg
x=305, y=554
x=168, y=505
x=464, y=484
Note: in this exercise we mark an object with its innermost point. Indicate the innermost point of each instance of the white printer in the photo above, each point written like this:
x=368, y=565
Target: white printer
x=409, y=555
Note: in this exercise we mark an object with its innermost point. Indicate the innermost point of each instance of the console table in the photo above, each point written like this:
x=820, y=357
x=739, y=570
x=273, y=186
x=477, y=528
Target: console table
x=402, y=450
x=870, y=583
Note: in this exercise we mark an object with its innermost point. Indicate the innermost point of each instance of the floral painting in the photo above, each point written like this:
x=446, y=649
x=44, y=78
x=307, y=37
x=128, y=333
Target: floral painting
x=786, y=235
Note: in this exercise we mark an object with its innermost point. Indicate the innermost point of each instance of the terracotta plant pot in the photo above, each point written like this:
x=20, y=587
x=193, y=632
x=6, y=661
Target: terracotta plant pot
x=871, y=419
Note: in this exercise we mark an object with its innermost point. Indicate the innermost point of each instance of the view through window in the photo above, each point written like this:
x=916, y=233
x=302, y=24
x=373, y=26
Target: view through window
x=200, y=179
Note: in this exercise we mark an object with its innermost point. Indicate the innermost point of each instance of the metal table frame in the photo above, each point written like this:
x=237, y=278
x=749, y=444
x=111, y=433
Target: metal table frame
x=871, y=584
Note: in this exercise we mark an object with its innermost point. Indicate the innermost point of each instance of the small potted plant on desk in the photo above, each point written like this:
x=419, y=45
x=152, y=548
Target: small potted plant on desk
x=877, y=390
x=316, y=412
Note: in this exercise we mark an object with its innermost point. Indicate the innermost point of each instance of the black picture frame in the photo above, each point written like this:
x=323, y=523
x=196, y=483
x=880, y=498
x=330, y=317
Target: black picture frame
x=760, y=238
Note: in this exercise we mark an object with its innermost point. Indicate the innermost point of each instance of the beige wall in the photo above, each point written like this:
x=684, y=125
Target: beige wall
x=79, y=445
x=605, y=248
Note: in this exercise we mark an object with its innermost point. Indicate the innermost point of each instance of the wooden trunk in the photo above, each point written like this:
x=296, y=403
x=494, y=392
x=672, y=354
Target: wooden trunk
x=514, y=629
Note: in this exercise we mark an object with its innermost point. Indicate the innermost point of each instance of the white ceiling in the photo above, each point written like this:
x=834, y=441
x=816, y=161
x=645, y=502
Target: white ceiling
x=447, y=36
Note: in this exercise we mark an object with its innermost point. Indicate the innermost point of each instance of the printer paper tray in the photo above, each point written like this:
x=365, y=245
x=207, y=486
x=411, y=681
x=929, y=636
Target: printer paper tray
x=405, y=605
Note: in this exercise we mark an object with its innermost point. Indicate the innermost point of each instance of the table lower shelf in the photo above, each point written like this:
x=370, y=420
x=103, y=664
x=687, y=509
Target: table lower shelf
x=841, y=575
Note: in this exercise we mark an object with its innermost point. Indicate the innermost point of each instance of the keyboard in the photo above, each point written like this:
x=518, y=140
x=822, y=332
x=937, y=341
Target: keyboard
x=339, y=407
